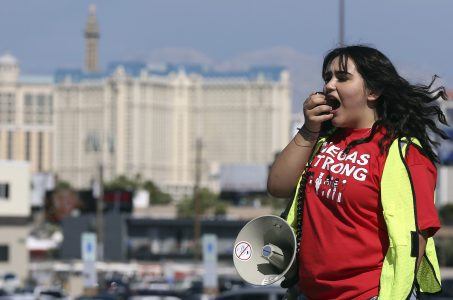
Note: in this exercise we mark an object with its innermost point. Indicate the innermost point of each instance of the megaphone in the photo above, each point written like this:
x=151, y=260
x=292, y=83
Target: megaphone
x=265, y=251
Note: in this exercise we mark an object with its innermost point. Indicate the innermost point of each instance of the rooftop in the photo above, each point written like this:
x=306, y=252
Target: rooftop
x=36, y=79
x=8, y=59
x=135, y=68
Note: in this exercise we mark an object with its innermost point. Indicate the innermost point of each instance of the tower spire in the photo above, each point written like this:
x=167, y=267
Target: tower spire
x=91, y=41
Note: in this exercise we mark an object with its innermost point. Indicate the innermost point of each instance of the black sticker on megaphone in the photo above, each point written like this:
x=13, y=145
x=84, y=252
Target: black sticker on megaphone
x=243, y=250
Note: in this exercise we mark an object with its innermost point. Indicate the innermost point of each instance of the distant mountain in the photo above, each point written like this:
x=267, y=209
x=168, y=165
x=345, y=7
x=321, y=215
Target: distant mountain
x=179, y=55
x=305, y=70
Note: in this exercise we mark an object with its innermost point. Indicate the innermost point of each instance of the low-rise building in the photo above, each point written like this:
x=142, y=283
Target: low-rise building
x=14, y=217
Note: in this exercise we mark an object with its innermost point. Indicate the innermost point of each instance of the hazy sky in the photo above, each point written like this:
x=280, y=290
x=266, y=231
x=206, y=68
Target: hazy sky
x=417, y=35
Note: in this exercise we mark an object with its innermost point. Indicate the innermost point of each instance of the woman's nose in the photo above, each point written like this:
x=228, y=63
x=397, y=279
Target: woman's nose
x=329, y=86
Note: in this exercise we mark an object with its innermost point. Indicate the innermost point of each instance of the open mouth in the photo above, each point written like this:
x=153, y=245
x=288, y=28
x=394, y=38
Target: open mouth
x=333, y=102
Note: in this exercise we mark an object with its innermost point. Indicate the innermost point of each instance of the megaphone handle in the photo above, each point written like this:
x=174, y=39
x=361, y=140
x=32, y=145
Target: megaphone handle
x=292, y=293
x=291, y=280
x=284, y=214
x=288, y=283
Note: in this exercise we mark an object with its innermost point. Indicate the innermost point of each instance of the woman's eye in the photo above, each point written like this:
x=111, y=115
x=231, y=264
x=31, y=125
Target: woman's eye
x=342, y=78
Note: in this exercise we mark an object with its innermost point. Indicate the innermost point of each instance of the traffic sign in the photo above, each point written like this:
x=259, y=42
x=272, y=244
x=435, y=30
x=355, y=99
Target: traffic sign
x=88, y=246
x=210, y=261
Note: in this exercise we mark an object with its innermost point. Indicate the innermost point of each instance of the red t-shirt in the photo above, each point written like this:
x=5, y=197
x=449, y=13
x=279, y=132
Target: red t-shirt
x=344, y=236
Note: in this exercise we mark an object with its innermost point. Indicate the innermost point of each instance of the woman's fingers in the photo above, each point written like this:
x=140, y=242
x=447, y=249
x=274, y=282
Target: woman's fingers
x=321, y=118
x=316, y=111
x=314, y=100
x=320, y=109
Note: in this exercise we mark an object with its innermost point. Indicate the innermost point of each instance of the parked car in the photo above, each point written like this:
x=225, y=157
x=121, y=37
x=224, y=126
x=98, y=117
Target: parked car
x=254, y=293
x=227, y=283
x=158, y=294
x=97, y=297
x=9, y=282
x=42, y=293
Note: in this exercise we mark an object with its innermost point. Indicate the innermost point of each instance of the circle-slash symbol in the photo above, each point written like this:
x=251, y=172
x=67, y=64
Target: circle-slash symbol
x=243, y=250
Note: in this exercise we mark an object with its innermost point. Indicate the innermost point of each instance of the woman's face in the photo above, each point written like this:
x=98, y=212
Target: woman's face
x=355, y=101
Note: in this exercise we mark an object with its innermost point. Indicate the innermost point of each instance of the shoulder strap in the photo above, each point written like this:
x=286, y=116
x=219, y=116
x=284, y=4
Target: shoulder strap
x=319, y=142
x=292, y=203
x=289, y=213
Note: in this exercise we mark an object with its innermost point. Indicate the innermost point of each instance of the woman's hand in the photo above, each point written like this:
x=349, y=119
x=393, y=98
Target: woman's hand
x=289, y=164
x=316, y=111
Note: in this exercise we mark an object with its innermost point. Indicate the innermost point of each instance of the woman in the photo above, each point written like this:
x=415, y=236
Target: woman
x=345, y=235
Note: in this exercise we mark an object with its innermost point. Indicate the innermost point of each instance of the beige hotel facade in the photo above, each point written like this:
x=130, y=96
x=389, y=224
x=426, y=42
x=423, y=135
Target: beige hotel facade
x=139, y=120
x=136, y=119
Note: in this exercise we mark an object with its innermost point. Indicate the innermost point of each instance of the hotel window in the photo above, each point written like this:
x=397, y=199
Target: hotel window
x=28, y=100
x=28, y=108
x=11, y=109
x=3, y=108
x=10, y=144
x=4, y=190
x=40, y=108
x=40, y=150
x=50, y=105
x=4, y=253
x=27, y=145
x=41, y=101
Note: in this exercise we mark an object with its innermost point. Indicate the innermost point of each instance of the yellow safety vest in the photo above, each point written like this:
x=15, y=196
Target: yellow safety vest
x=398, y=203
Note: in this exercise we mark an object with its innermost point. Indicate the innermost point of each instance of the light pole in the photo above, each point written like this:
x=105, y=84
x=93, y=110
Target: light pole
x=100, y=213
x=95, y=144
x=341, y=25
x=196, y=199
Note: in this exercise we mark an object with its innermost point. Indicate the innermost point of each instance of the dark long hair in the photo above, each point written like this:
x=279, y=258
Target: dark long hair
x=403, y=109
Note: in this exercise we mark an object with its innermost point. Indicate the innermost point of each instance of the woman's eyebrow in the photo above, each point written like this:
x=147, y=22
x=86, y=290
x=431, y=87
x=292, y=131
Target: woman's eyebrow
x=342, y=73
x=337, y=73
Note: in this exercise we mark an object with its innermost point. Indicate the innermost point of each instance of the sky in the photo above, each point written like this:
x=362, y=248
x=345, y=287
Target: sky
x=48, y=34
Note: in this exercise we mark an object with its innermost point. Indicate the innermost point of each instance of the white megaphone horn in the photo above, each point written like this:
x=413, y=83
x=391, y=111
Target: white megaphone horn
x=265, y=251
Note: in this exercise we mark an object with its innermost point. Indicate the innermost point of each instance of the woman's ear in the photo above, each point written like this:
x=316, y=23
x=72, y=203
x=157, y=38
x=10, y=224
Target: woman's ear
x=373, y=95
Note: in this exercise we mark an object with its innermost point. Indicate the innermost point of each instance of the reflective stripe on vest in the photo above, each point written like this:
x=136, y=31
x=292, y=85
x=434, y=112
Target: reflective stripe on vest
x=397, y=198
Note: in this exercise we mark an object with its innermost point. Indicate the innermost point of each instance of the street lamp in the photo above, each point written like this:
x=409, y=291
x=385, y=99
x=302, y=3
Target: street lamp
x=341, y=25
x=196, y=199
x=94, y=143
